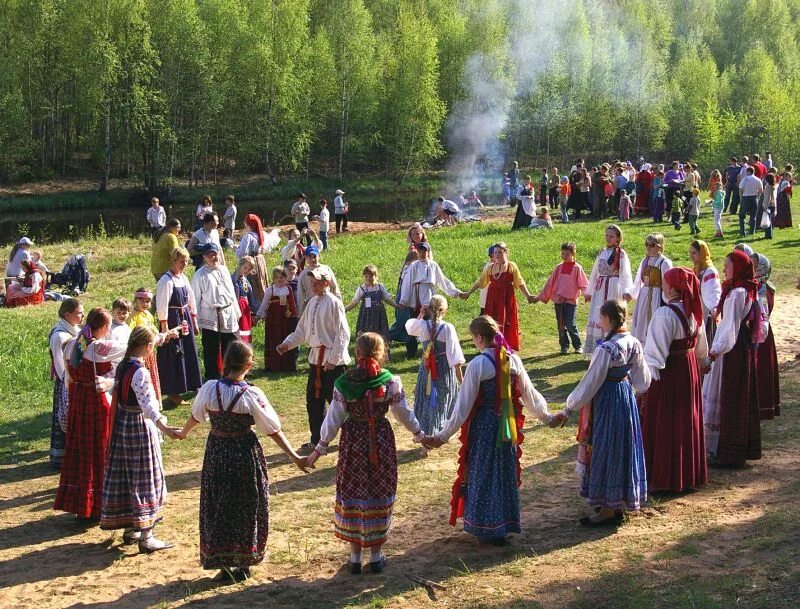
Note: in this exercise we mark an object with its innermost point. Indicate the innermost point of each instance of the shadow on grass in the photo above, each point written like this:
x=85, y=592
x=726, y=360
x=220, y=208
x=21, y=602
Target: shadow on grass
x=18, y=436
x=29, y=471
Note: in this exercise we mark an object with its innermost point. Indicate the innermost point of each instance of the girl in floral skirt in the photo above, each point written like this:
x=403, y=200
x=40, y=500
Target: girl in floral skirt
x=234, y=486
x=366, y=474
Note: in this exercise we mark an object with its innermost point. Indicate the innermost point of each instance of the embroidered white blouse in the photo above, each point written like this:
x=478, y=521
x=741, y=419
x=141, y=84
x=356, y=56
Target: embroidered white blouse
x=482, y=369
x=252, y=402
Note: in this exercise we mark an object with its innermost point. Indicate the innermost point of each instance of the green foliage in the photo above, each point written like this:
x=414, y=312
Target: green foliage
x=162, y=90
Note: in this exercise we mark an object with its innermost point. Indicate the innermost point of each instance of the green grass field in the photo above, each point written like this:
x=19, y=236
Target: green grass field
x=647, y=564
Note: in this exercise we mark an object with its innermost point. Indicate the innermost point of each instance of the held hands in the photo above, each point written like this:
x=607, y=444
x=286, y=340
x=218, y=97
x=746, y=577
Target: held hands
x=559, y=419
x=533, y=299
x=430, y=442
x=174, y=433
x=305, y=464
x=282, y=348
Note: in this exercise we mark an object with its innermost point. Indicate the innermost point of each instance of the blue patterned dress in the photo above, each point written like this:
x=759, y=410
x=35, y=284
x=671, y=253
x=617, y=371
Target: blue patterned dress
x=432, y=410
x=614, y=476
x=486, y=491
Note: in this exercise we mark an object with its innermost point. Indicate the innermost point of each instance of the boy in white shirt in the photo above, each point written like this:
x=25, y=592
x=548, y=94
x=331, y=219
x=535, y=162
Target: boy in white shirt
x=156, y=216
x=229, y=217
x=324, y=223
x=323, y=327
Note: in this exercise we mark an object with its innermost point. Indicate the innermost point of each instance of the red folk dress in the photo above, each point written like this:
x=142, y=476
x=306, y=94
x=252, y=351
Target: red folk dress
x=769, y=393
x=501, y=300
x=672, y=419
x=80, y=489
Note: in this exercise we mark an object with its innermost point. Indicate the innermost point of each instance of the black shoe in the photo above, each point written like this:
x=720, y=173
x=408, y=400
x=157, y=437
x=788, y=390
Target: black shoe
x=376, y=566
x=614, y=521
x=355, y=568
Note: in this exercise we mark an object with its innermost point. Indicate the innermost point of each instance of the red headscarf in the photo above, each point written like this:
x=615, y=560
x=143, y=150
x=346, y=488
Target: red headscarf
x=254, y=223
x=743, y=277
x=686, y=282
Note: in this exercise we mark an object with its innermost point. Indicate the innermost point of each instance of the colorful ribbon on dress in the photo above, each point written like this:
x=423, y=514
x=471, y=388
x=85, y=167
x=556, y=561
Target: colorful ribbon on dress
x=507, y=430
x=429, y=358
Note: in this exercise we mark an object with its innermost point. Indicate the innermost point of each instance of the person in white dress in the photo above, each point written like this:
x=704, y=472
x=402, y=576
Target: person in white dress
x=420, y=283
x=646, y=288
x=610, y=280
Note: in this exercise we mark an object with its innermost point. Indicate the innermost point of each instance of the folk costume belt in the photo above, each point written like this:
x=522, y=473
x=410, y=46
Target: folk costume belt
x=318, y=376
x=229, y=434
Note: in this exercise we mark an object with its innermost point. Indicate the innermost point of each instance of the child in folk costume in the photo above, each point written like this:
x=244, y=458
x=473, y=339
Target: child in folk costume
x=246, y=295
x=730, y=393
x=502, y=277
x=610, y=280
x=611, y=459
x=646, y=288
x=120, y=312
x=710, y=286
x=372, y=313
x=366, y=473
x=255, y=243
x=304, y=280
x=323, y=327
x=420, y=283
x=291, y=278
x=218, y=310
x=489, y=414
x=563, y=287
x=142, y=316
x=178, y=364
x=440, y=370
x=70, y=315
x=769, y=397
x=672, y=408
x=91, y=358
x=402, y=314
x=134, y=489
x=625, y=206
x=279, y=310
x=484, y=293
x=234, y=485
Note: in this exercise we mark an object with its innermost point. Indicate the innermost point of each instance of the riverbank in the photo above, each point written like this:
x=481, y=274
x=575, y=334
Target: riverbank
x=83, y=194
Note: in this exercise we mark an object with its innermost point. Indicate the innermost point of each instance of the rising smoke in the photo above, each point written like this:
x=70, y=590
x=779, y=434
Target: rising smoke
x=588, y=40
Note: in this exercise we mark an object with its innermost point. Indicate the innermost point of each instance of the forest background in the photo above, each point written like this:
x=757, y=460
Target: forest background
x=166, y=90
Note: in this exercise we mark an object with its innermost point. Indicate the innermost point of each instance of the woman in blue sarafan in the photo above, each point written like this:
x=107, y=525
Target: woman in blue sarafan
x=489, y=414
x=611, y=458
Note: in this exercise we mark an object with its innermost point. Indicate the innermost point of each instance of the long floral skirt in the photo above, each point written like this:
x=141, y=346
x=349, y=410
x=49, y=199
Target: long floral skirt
x=234, y=502
x=365, y=491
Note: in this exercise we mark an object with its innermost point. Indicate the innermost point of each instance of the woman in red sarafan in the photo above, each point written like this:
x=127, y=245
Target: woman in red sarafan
x=730, y=390
x=280, y=312
x=672, y=408
x=90, y=367
x=502, y=277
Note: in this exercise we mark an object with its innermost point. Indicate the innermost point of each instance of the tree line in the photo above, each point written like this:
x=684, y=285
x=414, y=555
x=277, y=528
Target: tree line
x=173, y=89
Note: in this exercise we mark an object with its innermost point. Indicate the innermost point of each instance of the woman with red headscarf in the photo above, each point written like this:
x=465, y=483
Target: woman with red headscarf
x=730, y=392
x=672, y=409
x=255, y=242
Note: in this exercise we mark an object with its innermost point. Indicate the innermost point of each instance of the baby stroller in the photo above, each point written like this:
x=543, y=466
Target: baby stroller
x=74, y=277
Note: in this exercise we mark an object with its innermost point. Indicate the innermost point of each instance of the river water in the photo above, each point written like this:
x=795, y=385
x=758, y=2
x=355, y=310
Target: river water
x=60, y=225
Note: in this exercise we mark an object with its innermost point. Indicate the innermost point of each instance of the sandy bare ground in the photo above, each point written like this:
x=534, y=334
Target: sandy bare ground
x=741, y=526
